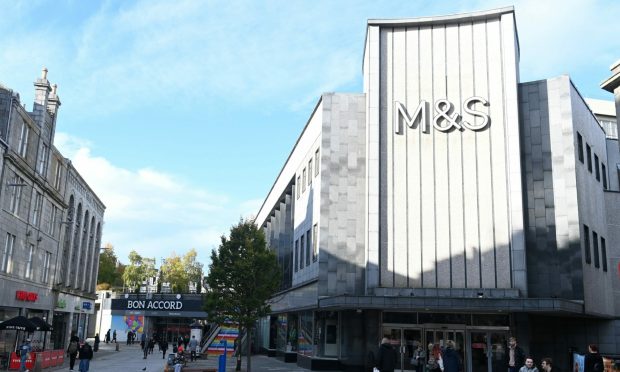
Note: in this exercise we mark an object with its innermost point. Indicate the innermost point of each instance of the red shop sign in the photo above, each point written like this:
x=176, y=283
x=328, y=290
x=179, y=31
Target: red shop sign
x=26, y=296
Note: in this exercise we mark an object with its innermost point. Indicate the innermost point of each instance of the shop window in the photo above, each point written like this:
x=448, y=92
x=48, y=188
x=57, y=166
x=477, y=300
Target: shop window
x=580, y=147
x=586, y=235
x=305, y=335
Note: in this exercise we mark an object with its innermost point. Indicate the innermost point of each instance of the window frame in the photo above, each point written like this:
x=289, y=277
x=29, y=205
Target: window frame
x=16, y=194
x=310, y=172
x=317, y=159
x=38, y=207
x=604, y=253
x=302, y=243
x=23, y=140
x=308, y=247
x=296, y=255
x=596, y=167
x=580, y=147
x=604, y=174
x=589, y=157
x=29, y=261
x=303, y=182
x=597, y=262
x=45, y=274
x=298, y=188
x=7, y=257
x=315, y=242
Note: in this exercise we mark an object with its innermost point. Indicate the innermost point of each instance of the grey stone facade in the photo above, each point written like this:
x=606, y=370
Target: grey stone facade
x=37, y=196
x=452, y=202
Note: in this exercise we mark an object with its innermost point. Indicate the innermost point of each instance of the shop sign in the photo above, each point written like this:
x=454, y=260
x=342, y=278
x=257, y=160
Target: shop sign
x=61, y=304
x=86, y=305
x=26, y=296
x=445, y=119
x=154, y=304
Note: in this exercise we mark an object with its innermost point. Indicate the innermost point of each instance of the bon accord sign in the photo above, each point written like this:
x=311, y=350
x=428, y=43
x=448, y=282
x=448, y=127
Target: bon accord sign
x=157, y=305
x=154, y=304
x=445, y=118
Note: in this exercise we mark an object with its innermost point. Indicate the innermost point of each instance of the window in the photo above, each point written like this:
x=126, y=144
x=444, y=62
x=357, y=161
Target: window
x=580, y=146
x=604, y=253
x=296, y=258
x=597, y=263
x=589, y=155
x=45, y=274
x=310, y=172
x=16, y=194
x=315, y=247
x=303, y=184
x=298, y=186
x=38, y=205
x=51, y=227
x=604, y=171
x=597, y=170
x=7, y=257
x=586, y=234
x=43, y=157
x=23, y=140
x=316, y=162
x=28, y=272
x=308, y=247
x=302, y=249
x=57, y=175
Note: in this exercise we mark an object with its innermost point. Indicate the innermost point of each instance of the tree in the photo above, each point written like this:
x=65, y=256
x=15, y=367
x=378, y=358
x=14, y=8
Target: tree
x=179, y=271
x=107, y=267
x=243, y=275
x=138, y=270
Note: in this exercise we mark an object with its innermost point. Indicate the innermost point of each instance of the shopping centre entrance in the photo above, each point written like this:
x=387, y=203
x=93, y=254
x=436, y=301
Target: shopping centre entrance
x=482, y=349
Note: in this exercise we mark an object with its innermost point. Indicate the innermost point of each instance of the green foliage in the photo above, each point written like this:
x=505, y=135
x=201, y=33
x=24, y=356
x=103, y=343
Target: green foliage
x=138, y=270
x=243, y=275
x=180, y=270
x=107, y=266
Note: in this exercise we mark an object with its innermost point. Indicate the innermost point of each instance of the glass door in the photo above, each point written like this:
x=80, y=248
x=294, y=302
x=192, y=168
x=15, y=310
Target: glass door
x=436, y=340
x=405, y=341
x=488, y=350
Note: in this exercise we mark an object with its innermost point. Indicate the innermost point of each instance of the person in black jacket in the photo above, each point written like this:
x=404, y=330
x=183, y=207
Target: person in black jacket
x=515, y=355
x=386, y=358
x=593, y=361
x=85, y=355
x=450, y=357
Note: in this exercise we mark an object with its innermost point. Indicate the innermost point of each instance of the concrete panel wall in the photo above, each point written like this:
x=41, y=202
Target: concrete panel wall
x=449, y=201
x=342, y=252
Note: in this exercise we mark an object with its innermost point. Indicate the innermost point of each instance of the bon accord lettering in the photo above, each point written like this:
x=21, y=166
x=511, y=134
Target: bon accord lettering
x=156, y=305
x=445, y=119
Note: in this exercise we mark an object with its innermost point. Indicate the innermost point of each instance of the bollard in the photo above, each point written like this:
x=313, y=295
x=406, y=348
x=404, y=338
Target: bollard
x=116, y=347
x=222, y=363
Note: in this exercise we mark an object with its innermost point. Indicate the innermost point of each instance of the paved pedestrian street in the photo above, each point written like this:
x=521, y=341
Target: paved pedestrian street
x=129, y=359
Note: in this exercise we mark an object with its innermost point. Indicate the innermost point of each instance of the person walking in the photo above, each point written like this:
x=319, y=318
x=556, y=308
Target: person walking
x=529, y=366
x=24, y=354
x=193, y=345
x=163, y=346
x=72, y=351
x=434, y=363
x=151, y=345
x=418, y=359
x=386, y=357
x=114, y=336
x=593, y=361
x=144, y=345
x=516, y=356
x=86, y=354
x=97, y=341
x=107, y=336
x=185, y=341
x=451, y=359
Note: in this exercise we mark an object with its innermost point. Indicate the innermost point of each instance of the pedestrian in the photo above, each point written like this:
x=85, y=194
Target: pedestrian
x=185, y=341
x=86, y=354
x=24, y=354
x=97, y=341
x=547, y=365
x=418, y=359
x=151, y=345
x=163, y=346
x=180, y=341
x=386, y=358
x=516, y=356
x=114, y=336
x=144, y=345
x=107, y=336
x=434, y=363
x=593, y=361
x=451, y=359
x=193, y=345
x=72, y=351
x=529, y=365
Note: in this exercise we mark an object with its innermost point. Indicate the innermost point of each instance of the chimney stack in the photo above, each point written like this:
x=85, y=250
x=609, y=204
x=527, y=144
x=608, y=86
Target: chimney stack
x=42, y=90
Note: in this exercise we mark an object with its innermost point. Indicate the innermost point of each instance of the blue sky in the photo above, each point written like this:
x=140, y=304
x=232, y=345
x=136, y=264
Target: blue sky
x=180, y=114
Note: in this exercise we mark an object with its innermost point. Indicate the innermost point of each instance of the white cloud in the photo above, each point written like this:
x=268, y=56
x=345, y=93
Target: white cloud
x=151, y=211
